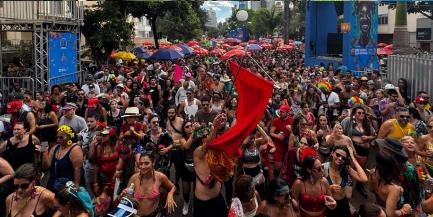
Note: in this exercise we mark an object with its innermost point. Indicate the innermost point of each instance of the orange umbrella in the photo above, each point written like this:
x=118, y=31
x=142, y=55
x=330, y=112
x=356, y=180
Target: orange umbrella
x=229, y=54
x=218, y=52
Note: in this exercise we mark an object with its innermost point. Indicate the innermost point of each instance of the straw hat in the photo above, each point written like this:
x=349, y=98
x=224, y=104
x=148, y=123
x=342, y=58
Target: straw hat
x=131, y=112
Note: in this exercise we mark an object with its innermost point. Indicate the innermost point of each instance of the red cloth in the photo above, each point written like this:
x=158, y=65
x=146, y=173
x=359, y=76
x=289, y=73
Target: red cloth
x=253, y=92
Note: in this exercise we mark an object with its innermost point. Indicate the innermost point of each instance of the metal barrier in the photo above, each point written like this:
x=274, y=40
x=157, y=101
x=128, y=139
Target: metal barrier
x=7, y=84
x=416, y=69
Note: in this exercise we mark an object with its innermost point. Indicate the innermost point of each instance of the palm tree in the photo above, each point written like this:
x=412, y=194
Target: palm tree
x=401, y=35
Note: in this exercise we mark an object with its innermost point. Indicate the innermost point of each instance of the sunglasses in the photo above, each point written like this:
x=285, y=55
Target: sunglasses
x=340, y=156
x=304, y=143
x=205, y=104
x=22, y=186
x=155, y=122
x=360, y=113
x=188, y=126
x=404, y=116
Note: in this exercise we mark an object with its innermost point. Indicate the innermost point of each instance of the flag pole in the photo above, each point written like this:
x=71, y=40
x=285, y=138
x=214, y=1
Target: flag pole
x=237, y=74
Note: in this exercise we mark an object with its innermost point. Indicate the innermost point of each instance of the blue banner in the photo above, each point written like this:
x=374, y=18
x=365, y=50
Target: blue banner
x=62, y=58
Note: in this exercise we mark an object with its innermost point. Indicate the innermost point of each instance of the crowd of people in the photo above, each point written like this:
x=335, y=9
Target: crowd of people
x=131, y=137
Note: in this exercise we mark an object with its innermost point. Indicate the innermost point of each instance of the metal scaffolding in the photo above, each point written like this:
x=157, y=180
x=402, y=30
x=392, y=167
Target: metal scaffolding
x=41, y=18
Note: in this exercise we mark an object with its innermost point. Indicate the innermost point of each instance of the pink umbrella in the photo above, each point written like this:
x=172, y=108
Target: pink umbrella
x=236, y=47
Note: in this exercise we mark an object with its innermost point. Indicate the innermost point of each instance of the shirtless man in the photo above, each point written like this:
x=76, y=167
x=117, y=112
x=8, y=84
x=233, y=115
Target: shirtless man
x=174, y=128
x=189, y=107
x=208, y=200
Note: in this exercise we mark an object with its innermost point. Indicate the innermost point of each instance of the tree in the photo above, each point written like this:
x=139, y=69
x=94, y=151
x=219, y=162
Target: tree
x=105, y=29
x=180, y=11
x=265, y=22
x=423, y=7
x=181, y=26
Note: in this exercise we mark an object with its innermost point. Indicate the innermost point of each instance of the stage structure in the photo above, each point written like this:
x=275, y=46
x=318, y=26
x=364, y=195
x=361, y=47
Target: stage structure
x=55, y=28
x=342, y=33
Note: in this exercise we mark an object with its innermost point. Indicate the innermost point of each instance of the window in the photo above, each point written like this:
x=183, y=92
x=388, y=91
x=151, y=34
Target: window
x=383, y=19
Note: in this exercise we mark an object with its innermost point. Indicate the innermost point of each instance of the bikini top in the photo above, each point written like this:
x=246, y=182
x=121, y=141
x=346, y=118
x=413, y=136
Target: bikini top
x=310, y=203
x=153, y=195
x=209, y=182
x=345, y=181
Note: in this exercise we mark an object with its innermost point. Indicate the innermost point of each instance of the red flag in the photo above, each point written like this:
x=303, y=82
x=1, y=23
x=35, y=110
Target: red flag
x=253, y=96
x=177, y=75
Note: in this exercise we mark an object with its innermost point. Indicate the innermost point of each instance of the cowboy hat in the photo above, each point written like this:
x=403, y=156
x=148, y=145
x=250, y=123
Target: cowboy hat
x=131, y=112
x=393, y=146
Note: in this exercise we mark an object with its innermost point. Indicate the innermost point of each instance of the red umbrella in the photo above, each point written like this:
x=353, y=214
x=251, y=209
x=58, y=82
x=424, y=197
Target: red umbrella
x=191, y=43
x=252, y=42
x=147, y=43
x=218, y=52
x=243, y=44
x=232, y=40
x=195, y=47
x=201, y=51
x=382, y=45
x=202, y=41
x=384, y=51
x=225, y=45
x=266, y=45
x=229, y=54
x=236, y=47
x=291, y=41
x=389, y=47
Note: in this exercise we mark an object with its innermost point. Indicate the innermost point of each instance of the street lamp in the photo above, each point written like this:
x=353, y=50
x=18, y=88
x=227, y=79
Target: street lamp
x=288, y=6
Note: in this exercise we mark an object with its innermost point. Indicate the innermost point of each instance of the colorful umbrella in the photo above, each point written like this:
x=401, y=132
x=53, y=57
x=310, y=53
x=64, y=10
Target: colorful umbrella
x=207, y=44
x=138, y=50
x=232, y=40
x=123, y=55
x=167, y=54
x=176, y=48
x=201, y=51
x=218, y=52
x=236, y=47
x=236, y=52
x=186, y=49
x=266, y=46
x=254, y=47
x=144, y=55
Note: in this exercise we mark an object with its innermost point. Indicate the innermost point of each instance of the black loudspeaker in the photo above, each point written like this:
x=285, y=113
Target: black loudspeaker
x=335, y=44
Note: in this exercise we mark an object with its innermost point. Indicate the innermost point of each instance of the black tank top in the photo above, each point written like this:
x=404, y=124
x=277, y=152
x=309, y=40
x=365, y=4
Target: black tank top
x=19, y=156
x=46, y=213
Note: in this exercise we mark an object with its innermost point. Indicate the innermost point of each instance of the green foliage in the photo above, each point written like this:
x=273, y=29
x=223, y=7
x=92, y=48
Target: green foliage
x=182, y=23
x=423, y=7
x=179, y=19
x=265, y=22
x=105, y=29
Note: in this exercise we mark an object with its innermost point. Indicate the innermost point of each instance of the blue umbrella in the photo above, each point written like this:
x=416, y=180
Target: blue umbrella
x=298, y=42
x=254, y=47
x=186, y=49
x=138, y=50
x=144, y=55
x=166, y=54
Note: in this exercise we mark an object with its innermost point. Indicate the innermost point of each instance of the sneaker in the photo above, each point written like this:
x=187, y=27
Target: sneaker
x=185, y=208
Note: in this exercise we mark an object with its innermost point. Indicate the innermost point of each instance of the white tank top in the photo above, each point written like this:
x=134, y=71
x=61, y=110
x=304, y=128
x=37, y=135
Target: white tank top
x=191, y=110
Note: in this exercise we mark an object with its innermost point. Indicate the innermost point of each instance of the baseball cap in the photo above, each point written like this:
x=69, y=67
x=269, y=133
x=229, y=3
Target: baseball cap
x=70, y=105
x=389, y=87
x=92, y=102
x=13, y=106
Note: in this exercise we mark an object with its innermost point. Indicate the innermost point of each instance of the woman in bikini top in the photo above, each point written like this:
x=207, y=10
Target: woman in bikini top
x=312, y=192
x=146, y=188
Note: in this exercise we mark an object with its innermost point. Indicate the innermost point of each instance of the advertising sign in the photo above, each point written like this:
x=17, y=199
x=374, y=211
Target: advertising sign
x=423, y=34
x=363, y=36
x=62, y=58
